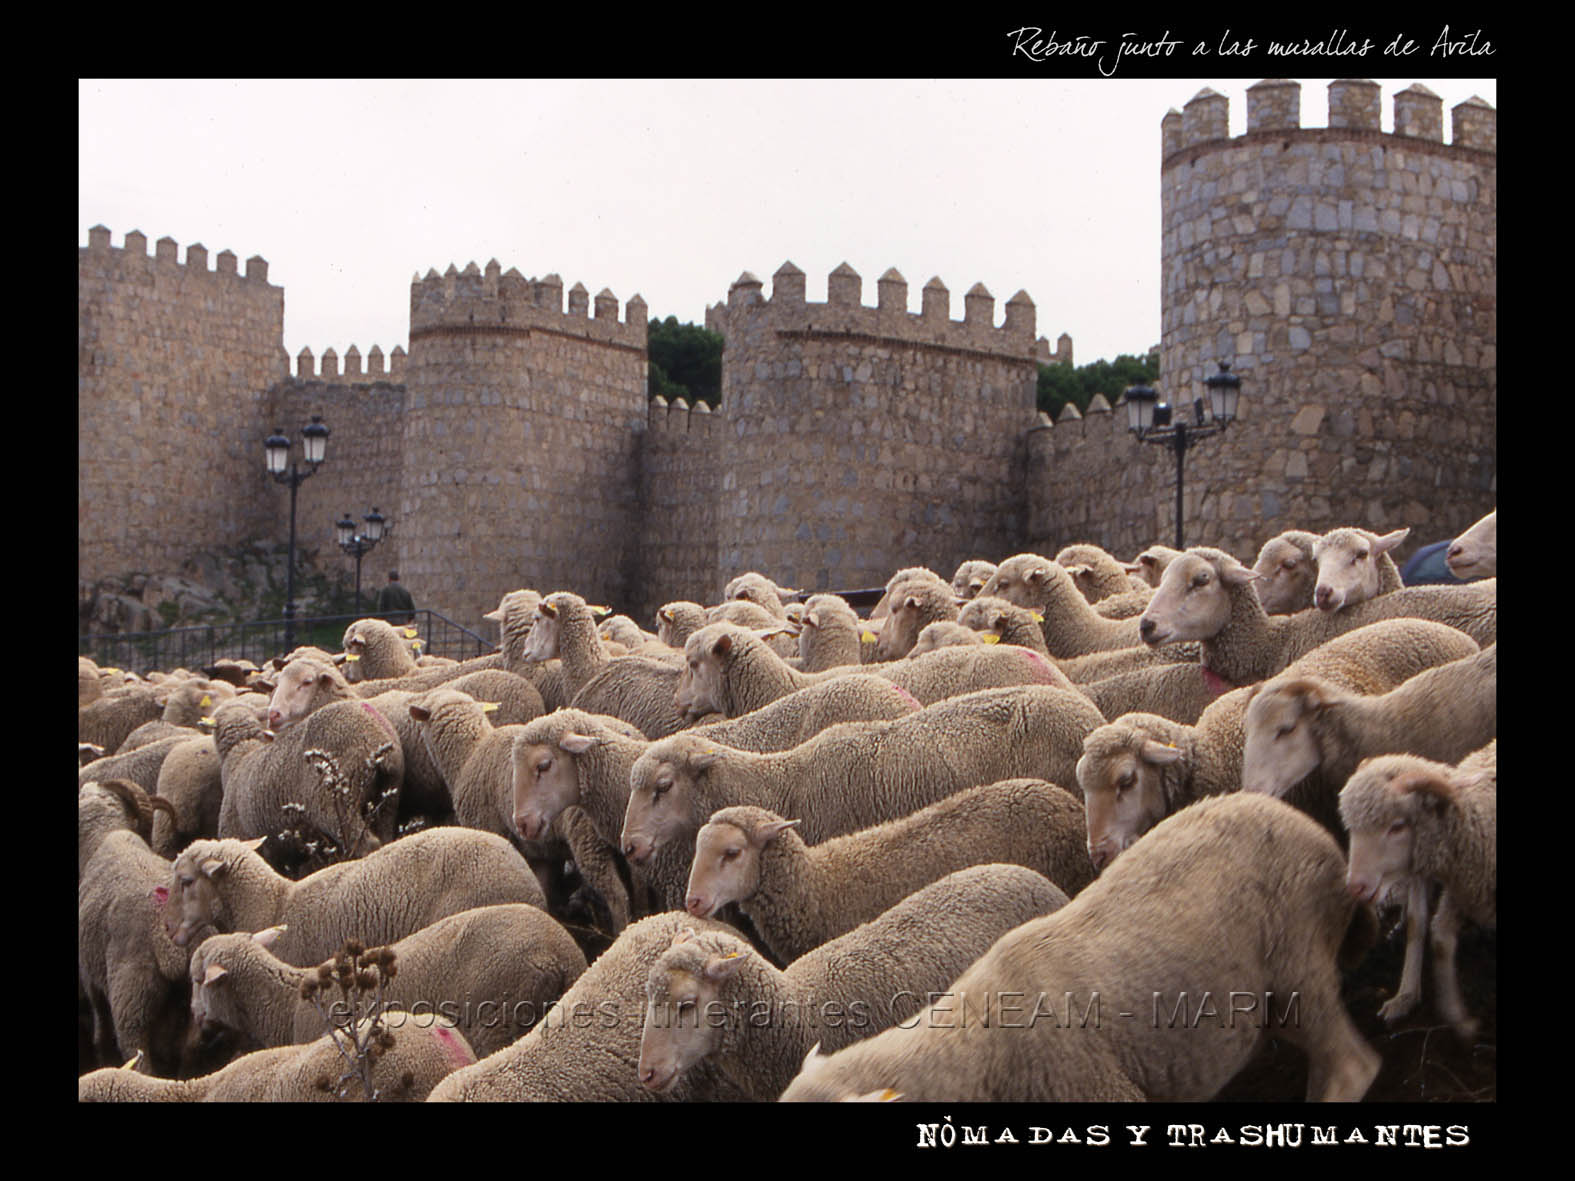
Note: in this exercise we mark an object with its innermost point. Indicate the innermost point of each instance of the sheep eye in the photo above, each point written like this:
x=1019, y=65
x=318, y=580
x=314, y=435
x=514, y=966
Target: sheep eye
x=185, y=881
x=544, y=766
x=1397, y=827
x=1283, y=731
x=1126, y=781
x=1200, y=580
x=1288, y=564
x=729, y=854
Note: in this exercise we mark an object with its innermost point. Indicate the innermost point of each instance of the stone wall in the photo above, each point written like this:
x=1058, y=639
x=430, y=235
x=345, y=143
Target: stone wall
x=1349, y=274
x=678, y=505
x=857, y=440
x=522, y=423
x=172, y=361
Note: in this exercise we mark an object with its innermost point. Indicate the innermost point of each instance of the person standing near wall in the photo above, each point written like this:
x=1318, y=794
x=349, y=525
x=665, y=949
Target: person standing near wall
x=394, y=601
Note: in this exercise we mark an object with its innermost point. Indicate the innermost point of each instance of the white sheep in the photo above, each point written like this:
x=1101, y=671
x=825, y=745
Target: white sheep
x=1412, y=819
x=1207, y=595
x=919, y=604
x=1286, y=572
x=1474, y=554
x=798, y=896
x=713, y=998
x=830, y=635
x=677, y=621
x=1106, y=999
x=190, y=782
x=492, y=970
x=945, y=632
x=1142, y=767
x=112, y=806
x=1149, y=566
x=756, y=588
x=1353, y=566
x=970, y=577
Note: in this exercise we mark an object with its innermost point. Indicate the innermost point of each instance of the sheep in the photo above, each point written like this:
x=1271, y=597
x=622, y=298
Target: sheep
x=1207, y=595
x=971, y=577
x=1353, y=566
x=799, y=896
x=1102, y=579
x=830, y=635
x=758, y=589
x=515, y=615
x=730, y=671
x=918, y=604
x=377, y=650
x=190, y=782
x=1298, y=724
x=998, y=620
x=1071, y=626
x=112, y=806
x=1149, y=566
x=108, y=719
x=140, y=766
x=89, y=686
x=1141, y=767
x=356, y=811
x=587, y=1046
x=620, y=629
x=896, y=584
x=1474, y=554
x=1411, y=818
x=133, y=975
x=493, y=970
x=1286, y=572
x=945, y=632
x=772, y=627
x=1180, y=692
x=635, y=688
x=714, y=998
x=1125, y=946
x=855, y=774
x=425, y=1049
x=223, y=885
x=185, y=704
x=677, y=621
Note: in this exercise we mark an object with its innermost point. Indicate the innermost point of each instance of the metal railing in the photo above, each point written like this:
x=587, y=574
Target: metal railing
x=261, y=640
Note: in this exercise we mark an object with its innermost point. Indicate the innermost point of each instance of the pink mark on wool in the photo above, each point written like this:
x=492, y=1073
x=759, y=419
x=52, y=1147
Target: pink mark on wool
x=1045, y=670
x=1216, y=683
x=912, y=701
x=388, y=727
x=457, y=1050
x=160, y=895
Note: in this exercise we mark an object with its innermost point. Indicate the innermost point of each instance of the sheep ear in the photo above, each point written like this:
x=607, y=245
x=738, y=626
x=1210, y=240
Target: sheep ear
x=701, y=759
x=813, y=1059
x=1436, y=790
x=720, y=967
x=684, y=935
x=910, y=601
x=340, y=658
x=1161, y=754
x=812, y=619
x=1074, y=571
x=723, y=645
x=420, y=713
x=976, y=585
x=664, y=615
x=1382, y=545
x=494, y=616
x=213, y=868
x=254, y=844
x=1233, y=573
x=271, y=936
x=1134, y=567
x=268, y=736
x=1038, y=574
x=214, y=974
x=578, y=744
x=769, y=830
x=599, y=612
x=547, y=609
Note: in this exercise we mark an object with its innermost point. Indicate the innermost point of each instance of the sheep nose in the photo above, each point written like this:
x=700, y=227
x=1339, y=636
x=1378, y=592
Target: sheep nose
x=1323, y=596
x=273, y=719
x=647, y=1076
x=636, y=853
x=1357, y=888
x=1455, y=551
x=1146, y=627
x=1100, y=856
x=526, y=826
x=695, y=905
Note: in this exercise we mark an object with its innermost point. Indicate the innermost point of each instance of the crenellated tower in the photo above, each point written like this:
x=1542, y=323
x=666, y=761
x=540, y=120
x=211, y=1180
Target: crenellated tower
x=520, y=438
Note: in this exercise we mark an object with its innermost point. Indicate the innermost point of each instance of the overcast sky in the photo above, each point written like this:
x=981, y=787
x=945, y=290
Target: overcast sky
x=665, y=188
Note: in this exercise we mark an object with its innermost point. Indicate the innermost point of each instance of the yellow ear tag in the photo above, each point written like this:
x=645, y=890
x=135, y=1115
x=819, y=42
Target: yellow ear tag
x=351, y=656
x=488, y=707
x=867, y=637
x=208, y=721
x=206, y=700
x=1038, y=618
x=991, y=638
x=410, y=633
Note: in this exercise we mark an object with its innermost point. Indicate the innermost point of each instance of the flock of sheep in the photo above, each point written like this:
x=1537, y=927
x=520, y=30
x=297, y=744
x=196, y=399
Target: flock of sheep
x=1054, y=829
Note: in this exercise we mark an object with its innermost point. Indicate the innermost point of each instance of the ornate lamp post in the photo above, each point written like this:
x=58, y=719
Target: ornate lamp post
x=1155, y=422
x=358, y=545
x=314, y=445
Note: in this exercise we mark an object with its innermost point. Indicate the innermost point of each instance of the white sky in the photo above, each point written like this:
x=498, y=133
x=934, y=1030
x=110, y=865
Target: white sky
x=666, y=188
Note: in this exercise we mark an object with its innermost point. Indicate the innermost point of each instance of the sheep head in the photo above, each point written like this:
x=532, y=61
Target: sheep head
x=663, y=797
x=970, y=578
x=1383, y=805
x=1194, y=599
x=1286, y=572
x=1126, y=775
x=728, y=849
x=685, y=1014
x=1474, y=554
x=545, y=770
x=1348, y=566
x=302, y=687
x=707, y=654
x=1281, y=747
x=195, y=901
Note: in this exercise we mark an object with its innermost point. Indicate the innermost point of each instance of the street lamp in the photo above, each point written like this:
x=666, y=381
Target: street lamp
x=358, y=545
x=1155, y=422
x=314, y=446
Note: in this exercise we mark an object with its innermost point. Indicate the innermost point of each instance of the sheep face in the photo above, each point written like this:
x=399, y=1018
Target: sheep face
x=546, y=780
x=684, y=1014
x=1025, y=580
x=542, y=642
x=726, y=868
x=195, y=904
x=1123, y=792
x=701, y=683
x=1474, y=554
x=901, y=629
x=212, y=998
x=1347, y=561
x=302, y=687
x=944, y=632
x=1193, y=601
x=1383, y=805
x=970, y=578
x=661, y=797
x=620, y=629
x=1281, y=748
x=1286, y=574
x=1151, y=563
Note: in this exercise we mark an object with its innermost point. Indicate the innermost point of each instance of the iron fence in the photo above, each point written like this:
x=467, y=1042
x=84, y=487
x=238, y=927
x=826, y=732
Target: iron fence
x=261, y=640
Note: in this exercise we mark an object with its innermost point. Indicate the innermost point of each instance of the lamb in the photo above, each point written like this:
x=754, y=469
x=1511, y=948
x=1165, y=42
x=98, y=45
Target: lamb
x=425, y=1049
x=1141, y=767
x=1286, y=572
x=635, y=688
x=1474, y=554
x=855, y=774
x=1353, y=566
x=730, y=671
x=223, y=885
x=830, y=635
x=261, y=776
x=377, y=650
x=1417, y=820
x=919, y=604
x=714, y=998
x=945, y=632
x=1297, y=725
x=677, y=621
x=112, y=806
x=493, y=970
x=190, y=782
x=1112, y=947
x=971, y=577
x=587, y=1046
x=1149, y=566
x=799, y=896
x=1207, y=595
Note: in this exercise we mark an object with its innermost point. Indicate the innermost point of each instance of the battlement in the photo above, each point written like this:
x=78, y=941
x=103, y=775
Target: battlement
x=328, y=369
x=844, y=314
x=492, y=300
x=1274, y=110
x=135, y=247
x=680, y=420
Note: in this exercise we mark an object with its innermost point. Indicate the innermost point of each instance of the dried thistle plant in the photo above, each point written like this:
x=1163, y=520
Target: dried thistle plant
x=355, y=1019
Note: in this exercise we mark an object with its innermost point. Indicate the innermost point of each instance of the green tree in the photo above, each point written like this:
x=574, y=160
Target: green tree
x=685, y=362
x=1060, y=384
